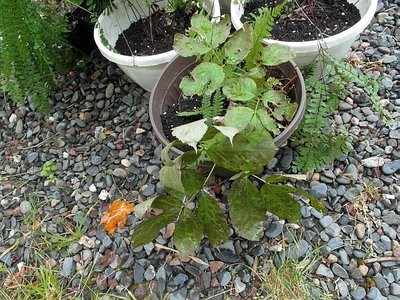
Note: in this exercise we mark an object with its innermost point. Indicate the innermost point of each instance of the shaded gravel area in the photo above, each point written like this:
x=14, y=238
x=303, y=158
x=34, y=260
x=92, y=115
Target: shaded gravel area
x=100, y=137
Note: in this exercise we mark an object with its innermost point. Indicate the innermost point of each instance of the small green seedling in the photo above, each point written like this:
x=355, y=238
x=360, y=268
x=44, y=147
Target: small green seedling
x=48, y=170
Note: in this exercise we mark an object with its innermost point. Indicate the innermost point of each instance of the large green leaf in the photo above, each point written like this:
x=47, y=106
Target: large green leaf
x=318, y=205
x=273, y=55
x=188, y=232
x=257, y=72
x=202, y=25
x=167, y=203
x=213, y=219
x=267, y=121
x=148, y=230
x=246, y=213
x=239, y=45
x=206, y=78
x=221, y=31
x=242, y=89
x=186, y=46
x=191, y=133
x=250, y=151
x=239, y=117
x=185, y=181
x=280, y=203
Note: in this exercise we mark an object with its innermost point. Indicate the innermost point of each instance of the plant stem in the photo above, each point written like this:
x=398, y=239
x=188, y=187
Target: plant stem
x=209, y=174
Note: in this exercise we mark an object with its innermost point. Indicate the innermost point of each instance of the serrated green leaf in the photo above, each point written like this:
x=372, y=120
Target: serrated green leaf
x=274, y=54
x=245, y=210
x=242, y=89
x=187, y=47
x=185, y=181
x=318, y=205
x=239, y=117
x=148, y=230
x=273, y=97
x=191, y=133
x=141, y=208
x=167, y=203
x=257, y=72
x=280, y=203
x=221, y=31
x=250, y=151
x=201, y=24
x=267, y=121
x=213, y=219
x=229, y=132
x=205, y=79
x=188, y=233
x=239, y=44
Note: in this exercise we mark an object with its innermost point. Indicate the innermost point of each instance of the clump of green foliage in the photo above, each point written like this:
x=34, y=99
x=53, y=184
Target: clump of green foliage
x=32, y=45
x=235, y=70
x=242, y=147
x=318, y=140
x=48, y=170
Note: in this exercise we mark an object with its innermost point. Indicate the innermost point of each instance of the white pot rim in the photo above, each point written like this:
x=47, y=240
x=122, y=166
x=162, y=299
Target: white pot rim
x=305, y=46
x=145, y=60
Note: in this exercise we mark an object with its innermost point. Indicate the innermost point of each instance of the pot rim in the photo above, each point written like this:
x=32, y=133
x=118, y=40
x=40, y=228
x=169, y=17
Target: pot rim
x=236, y=9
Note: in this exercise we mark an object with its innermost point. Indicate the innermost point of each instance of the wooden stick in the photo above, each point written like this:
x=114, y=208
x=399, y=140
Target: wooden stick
x=381, y=259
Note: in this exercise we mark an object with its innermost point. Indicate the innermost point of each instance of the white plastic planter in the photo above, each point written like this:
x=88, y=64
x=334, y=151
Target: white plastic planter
x=337, y=45
x=144, y=70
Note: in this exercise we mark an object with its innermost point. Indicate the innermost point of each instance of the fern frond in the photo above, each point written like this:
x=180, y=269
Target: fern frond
x=30, y=52
x=217, y=103
x=262, y=28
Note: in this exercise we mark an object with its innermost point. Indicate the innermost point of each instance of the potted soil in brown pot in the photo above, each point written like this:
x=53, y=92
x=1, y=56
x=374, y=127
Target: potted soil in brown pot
x=305, y=26
x=237, y=83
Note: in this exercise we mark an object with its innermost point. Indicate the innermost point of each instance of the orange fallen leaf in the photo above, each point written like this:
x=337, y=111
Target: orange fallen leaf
x=116, y=216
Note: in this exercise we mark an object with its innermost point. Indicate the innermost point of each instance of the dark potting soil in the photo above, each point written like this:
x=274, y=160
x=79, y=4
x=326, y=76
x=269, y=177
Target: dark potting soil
x=329, y=16
x=143, y=41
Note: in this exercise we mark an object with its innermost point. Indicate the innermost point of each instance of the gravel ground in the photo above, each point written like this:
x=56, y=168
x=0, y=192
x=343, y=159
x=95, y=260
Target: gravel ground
x=100, y=137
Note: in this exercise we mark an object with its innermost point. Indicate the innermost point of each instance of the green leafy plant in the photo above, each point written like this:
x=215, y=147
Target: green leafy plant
x=32, y=44
x=242, y=147
x=48, y=170
x=319, y=141
x=243, y=153
x=235, y=69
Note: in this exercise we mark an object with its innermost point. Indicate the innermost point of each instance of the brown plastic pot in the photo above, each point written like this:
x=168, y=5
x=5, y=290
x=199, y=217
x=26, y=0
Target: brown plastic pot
x=167, y=92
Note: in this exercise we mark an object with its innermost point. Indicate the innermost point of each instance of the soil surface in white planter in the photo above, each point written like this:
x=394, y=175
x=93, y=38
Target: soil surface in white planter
x=327, y=16
x=155, y=34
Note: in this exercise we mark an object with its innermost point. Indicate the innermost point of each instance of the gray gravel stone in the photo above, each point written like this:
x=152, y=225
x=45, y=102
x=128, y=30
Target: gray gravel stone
x=358, y=293
x=68, y=267
x=119, y=172
x=326, y=221
x=338, y=270
x=26, y=207
x=224, y=278
x=150, y=273
x=324, y=271
x=391, y=218
x=32, y=157
x=375, y=294
x=333, y=230
x=274, y=229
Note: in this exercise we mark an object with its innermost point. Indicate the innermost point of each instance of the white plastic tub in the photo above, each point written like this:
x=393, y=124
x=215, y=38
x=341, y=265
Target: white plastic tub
x=144, y=70
x=337, y=45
